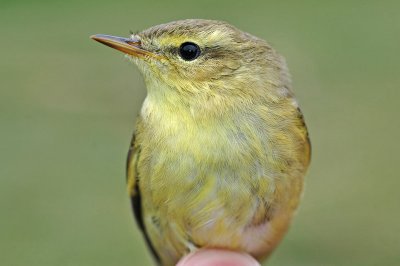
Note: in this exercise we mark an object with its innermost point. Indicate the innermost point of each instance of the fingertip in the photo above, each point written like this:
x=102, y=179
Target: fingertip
x=215, y=257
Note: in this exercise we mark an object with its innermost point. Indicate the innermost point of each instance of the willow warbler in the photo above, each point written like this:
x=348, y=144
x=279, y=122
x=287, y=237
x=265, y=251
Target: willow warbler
x=220, y=148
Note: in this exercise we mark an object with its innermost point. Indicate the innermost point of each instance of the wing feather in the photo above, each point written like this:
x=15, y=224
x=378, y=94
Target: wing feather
x=133, y=177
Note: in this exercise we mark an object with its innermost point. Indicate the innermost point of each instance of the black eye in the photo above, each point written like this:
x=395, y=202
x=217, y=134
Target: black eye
x=189, y=51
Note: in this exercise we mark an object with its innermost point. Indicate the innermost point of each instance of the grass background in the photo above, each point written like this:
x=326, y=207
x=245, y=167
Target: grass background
x=68, y=105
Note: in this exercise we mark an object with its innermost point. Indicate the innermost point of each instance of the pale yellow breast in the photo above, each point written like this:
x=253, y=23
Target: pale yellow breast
x=209, y=182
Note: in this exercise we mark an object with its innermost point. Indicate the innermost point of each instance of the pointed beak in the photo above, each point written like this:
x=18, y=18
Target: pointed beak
x=130, y=46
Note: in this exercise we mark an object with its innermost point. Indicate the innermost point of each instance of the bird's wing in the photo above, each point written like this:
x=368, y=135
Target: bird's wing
x=133, y=177
x=307, y=144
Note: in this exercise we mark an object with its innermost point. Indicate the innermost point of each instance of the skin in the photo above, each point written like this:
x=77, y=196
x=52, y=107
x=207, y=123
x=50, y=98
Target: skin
x=217, y=257
x=220, y=148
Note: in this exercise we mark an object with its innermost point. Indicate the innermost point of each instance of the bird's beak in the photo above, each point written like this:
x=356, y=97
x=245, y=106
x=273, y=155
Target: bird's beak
x=126, y=45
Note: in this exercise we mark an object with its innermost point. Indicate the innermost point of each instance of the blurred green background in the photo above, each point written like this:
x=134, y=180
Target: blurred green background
x=68, y=106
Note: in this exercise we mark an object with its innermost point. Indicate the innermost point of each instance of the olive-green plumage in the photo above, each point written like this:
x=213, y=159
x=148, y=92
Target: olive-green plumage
x=220, y=147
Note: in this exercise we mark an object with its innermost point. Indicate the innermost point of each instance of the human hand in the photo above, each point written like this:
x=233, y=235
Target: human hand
x=217, y=257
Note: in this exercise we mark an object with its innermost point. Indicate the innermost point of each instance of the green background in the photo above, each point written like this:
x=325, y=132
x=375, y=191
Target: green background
x=68, y=106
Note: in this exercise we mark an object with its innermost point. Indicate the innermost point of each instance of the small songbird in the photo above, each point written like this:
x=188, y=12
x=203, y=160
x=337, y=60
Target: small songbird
x=220, y=148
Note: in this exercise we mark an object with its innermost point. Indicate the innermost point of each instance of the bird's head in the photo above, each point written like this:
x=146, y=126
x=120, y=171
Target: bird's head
x=201, y=59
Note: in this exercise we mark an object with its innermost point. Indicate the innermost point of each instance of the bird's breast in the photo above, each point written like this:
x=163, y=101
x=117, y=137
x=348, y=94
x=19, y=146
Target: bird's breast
x=218, y=179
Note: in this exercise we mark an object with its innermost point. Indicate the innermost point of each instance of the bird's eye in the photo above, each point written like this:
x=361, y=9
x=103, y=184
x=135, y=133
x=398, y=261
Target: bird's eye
x=189, y=51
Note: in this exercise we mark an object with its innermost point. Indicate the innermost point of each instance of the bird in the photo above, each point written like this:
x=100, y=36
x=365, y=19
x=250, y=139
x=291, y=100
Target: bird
x=221, y=148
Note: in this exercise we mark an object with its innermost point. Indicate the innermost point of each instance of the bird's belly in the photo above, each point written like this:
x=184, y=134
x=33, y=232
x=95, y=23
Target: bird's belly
x=226, y=205
x=221, y=187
